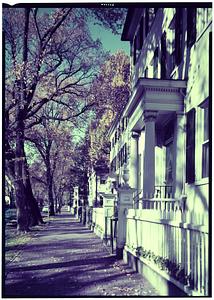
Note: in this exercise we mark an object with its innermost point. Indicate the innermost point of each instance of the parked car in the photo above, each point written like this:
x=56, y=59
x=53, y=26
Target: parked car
x=45, y=209
x=10, y=215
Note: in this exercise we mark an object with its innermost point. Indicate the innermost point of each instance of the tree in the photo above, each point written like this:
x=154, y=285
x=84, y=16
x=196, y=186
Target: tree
x=110, y=91
x=40, y=67
x=53, y=140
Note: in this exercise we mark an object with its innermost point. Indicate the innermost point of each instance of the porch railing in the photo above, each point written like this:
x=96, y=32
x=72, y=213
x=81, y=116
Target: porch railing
x=163, y=191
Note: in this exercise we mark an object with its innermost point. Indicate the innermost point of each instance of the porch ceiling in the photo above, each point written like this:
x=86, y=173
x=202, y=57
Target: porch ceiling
x=163, y=96
x=158, y=95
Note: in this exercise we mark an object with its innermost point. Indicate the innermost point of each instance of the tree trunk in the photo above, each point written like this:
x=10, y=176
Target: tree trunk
x=21, y=201
x=35, y=214
x=50, y=190
x=21, y=205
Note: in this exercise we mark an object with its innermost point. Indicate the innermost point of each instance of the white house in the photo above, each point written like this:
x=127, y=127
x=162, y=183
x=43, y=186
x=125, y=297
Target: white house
x=162, y=140
x=97, y=179
x=162, y=134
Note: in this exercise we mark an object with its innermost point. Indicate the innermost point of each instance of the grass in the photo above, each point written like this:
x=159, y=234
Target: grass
x=14, y=242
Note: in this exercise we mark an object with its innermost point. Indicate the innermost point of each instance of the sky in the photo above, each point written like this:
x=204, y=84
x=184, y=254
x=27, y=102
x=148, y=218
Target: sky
x=110, y=41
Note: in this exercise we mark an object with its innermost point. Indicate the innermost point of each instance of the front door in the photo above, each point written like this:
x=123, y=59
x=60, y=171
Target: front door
x=169, y=170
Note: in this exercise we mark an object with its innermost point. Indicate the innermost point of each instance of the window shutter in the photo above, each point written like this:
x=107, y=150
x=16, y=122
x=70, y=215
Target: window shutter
x=190, y=147
x=178, y=35
x=146, y=22
x=191, y=26
x=135, y=50
x=163, y=56
x=141, y=32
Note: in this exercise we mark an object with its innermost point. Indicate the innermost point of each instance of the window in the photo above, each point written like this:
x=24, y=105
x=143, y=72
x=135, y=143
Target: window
x=137, y=45
x=125, y=153
x=115, y=137
x=190, y=147
x=146, y=72
x=191, y=26
x=125, y=122
x=102, y=181
x=149, y=18
x=113, y=165
x=169, y=163
x=205, y=144
x=118, y=133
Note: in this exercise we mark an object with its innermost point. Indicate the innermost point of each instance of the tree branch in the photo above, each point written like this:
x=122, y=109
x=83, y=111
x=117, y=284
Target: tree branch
x=49, y=33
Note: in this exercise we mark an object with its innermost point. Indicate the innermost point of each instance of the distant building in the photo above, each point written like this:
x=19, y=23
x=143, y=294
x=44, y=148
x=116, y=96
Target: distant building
x=97, y=185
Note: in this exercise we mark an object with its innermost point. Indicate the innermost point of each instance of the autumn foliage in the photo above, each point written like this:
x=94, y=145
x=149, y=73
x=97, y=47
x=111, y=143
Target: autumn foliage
x=110, y=91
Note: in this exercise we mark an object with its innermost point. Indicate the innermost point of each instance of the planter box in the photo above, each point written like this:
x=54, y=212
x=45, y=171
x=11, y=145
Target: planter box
x=164, y=284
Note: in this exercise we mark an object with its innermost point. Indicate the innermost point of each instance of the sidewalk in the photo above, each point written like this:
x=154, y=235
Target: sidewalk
x=67, y=259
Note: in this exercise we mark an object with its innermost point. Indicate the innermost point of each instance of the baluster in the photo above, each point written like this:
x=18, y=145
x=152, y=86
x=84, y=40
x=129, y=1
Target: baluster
x=176, y=245
x=206, y=264
x=184, y=254
x=194, y=260
x=162, y=240
x=183, y=242
x=199, y=260
x=159, y=237
x=191, y=256
x=202, y=262
x=188, y=245
x=168, y=244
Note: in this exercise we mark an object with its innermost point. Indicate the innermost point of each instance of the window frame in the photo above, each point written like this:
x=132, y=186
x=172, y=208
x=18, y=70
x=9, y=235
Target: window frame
x=205, y=139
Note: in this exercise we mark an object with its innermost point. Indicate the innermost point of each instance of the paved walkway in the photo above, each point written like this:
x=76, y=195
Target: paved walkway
x=67, y=259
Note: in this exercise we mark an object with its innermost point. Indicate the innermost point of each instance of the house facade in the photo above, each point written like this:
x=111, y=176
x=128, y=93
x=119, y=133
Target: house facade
x=162, y=136
x=160, y=147
x=97, y=182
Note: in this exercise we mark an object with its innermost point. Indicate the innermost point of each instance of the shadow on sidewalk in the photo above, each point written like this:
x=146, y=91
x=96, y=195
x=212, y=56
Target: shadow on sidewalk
x=103, y=260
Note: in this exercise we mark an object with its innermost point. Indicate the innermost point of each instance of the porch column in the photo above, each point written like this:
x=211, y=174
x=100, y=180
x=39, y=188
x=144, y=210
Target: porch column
x=133, y=166
x=149, y=154
x=179, y=155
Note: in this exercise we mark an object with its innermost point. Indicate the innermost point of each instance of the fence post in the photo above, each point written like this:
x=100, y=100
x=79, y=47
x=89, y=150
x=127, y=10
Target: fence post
x=108, y=206
x=125, y=201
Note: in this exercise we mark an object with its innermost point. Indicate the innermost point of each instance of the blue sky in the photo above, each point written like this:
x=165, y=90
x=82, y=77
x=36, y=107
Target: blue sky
x=110, y=41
